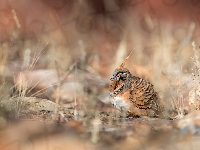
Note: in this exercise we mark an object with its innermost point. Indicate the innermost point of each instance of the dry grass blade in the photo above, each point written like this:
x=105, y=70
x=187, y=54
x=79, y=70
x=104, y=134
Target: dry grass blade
x=36, y=57
x=123, y=64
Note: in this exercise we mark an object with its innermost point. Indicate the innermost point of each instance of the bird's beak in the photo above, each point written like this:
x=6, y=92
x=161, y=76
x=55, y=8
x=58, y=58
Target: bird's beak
x=114, y=78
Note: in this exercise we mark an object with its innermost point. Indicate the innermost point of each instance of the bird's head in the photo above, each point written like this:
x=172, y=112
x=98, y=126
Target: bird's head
x=121, y=73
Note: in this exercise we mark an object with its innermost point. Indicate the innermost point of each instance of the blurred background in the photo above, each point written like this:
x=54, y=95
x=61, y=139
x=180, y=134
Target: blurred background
x=66, y=51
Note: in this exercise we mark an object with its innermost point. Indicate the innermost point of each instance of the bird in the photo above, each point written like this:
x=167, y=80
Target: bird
x=134, y=95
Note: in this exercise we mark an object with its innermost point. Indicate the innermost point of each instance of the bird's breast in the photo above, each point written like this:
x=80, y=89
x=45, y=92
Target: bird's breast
x=120, y=103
